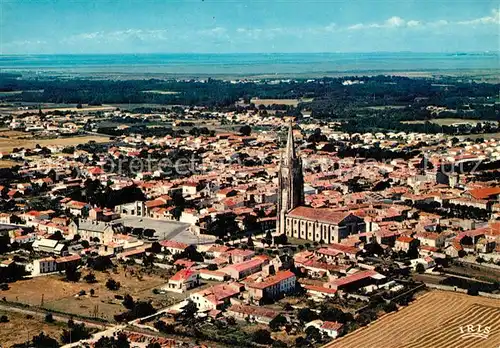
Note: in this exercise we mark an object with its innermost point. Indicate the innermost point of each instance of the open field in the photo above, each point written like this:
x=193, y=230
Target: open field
x=59, y=295
x=267, y=102
x=66, y=109
x=20, y=329
x=481, y=135
x=162, y=92
x=7, y=163
x=383, y=107
x=445, y=121
x=433, y=320
x=12, y=139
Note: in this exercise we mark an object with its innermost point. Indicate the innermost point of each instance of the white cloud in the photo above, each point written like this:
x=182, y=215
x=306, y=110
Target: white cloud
x=356, y=26
x=213, y=32
x=119, y=36
x=412, y=23
x=395, y=22
x=493, y=19
x=398, y=22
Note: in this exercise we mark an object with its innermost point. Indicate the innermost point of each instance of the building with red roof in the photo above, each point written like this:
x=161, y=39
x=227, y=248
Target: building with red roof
x=215, y=297
x=183, y=280
x=356, y=280
x=271, y=287
x=243, y=269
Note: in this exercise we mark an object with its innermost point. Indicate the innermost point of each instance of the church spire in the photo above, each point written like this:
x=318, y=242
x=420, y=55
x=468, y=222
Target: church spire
x=290, y=146
x=290, y=183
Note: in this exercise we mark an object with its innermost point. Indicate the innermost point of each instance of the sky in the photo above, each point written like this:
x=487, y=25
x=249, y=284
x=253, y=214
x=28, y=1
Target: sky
x=250, y=26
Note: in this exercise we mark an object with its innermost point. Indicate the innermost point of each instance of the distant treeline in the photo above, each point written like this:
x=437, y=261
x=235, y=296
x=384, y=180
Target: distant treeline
x=406, y=99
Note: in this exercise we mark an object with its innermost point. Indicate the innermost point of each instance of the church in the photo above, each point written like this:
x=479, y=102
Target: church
x=299, y=221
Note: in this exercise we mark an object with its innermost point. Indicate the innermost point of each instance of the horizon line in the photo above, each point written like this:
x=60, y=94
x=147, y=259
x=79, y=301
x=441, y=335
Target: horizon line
x=2, y=55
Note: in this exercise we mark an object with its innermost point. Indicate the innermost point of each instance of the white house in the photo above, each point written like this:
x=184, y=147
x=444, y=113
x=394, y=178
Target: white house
x=183, y=280
x=331, y=328
x=45, y=265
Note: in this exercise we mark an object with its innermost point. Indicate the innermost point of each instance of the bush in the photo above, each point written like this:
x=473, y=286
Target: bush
x=212, y=267
x=72, y=274
x=306, y=315
x=49, y=318
x=262, y=337
x=390, y=307
x=43, y=341
x=90, y=278
x=277, y=322
x=128, y=302
x=75, y=333
x=112, y=285
x=4, y=319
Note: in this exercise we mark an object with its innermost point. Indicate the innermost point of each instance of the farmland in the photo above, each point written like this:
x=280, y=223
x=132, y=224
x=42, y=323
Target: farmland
x=289, y=102
x=21, y=328
x=52, y=292
x=15, y=139
x=433, y=320
x=446, y=121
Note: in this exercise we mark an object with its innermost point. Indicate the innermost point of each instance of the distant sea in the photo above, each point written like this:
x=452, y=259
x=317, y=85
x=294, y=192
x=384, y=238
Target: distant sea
x=249, y=64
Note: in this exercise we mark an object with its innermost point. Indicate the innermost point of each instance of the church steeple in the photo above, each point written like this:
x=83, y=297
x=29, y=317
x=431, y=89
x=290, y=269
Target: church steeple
x=290, y=145
x=290, y=182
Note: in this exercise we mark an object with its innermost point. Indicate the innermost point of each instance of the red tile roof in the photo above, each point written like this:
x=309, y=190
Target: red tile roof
x=332, y=325
x=485, y=193
x=354, y=278
x=173, y=244
x=183, y=275
x=320, y=214
x=243, y=266
x=271, y=280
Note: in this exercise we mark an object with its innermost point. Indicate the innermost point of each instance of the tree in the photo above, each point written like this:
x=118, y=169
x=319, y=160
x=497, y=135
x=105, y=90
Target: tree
x=277, y=322
x=189, y=310
x=112, y=285
x=473, y=290
x=212, y=267
x=42, y=341
x=75, y=333
x=366, y=317
x=49, y=318
x=281, y=239
x=121, y=341
x=153, y=345
x=390, y=307
x=156, y=248
x=333, y=314
x=314, y=334
x=57, y=235
x=100, y=263
x=90, y=278
x=72, y=274
x=246, y=130
x=306, y=315
x=128, y=302
x=161, y=326
x=262, y=337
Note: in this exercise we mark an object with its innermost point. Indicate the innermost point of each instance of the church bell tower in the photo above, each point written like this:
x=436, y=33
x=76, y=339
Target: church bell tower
x=290, y=182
